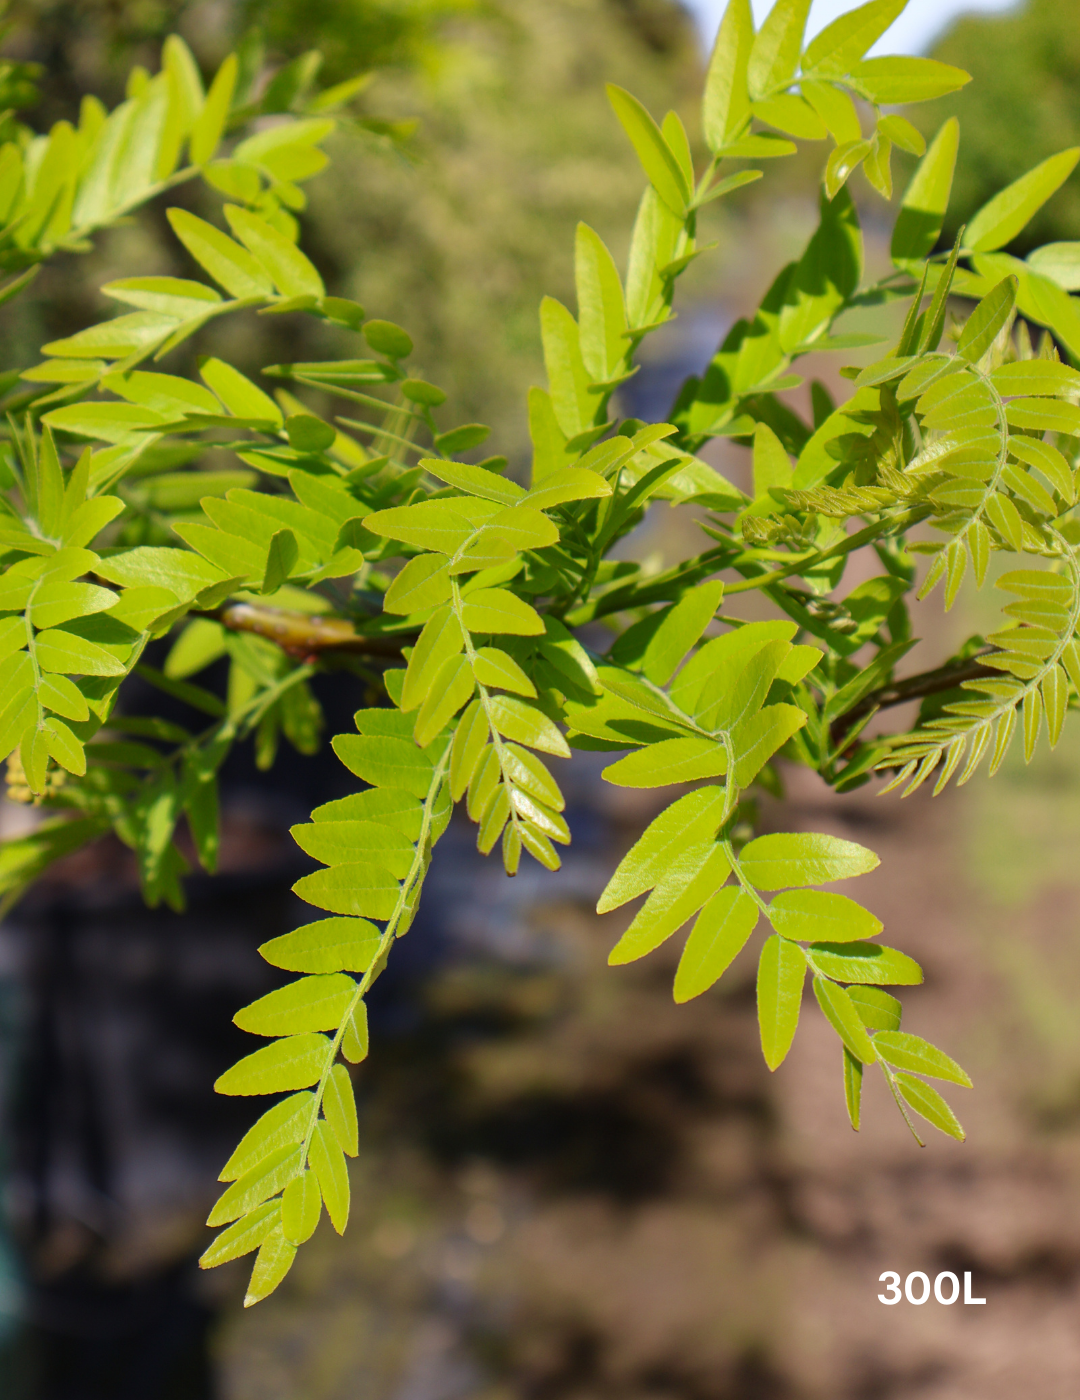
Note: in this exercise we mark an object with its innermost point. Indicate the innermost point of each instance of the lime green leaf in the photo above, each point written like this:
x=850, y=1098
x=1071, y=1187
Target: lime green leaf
x=725, y=107
x=497, y=610
x=853, y=1077
x=927, y=1102
x=515, y=719
x=845, y=40
x=1060, y=262
x=281, y=1126
x=493, y=667
x=901, y=133
x=523, y=528
x=210, y=124
x=437, y=525
x=237, y=393
x=57, y=601
x=567, y=484
x=388, y=339
x=922, y=213
x=911, y=1052
x=63, y=747
x=840, y=1012
x=835, y=108
x=792, y=115
x=423, y=583
x=691, y=879
x=865, y=962
x=774, y=55
x=669, y=761
x=339, y=1107
x=987, y=320
x=301, y=1206
x=756, y=739
x=228, y=263
x=778, y=861
x=657, y=159
x=293, y=1063
x=62, y=651
x=291, y=272
x=391, y=806
x=781, y=970
x=358, y=888
x=315, y=1003
x=601, y=308
x=239, y=1239
x=330, y=945
x=1036, y=377
x=680, y=630
x=57, y=693
x=1043, y=414
x=272, y=1263
x=263, y=1180
x=470, y=739
x=719, y=933
x=897, y=80
x=452, y=687
x=385, y=762
x=354, y=1041
x=1011, y=209
x=334, y=842
x=877, y=1010
x=814, y=915
x=687, y=822
x=328, y=1162
x=476, y=481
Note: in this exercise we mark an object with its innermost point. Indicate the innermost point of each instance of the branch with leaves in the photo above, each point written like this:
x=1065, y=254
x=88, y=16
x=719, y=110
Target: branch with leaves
x=374, y=537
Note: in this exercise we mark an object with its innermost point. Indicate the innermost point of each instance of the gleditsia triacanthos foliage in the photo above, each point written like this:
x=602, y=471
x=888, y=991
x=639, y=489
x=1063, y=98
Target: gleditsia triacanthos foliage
x=457, y=596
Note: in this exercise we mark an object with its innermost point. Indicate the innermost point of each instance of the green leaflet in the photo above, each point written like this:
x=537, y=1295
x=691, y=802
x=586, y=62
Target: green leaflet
x=315, y=1003
x=657, y=159
x=328, y=1164
x=499, y=611
x=669, y=761
x=281, y=1126
x=845, y=40
x=864, y=962
x=782, y=861
x=725, y=106
x=911, y=1052
x=781, y=971
x=334, y=842
x=680, y=630
x=774, y=55
x=927, y=197
x=843, y=1016
x=719, y=933
x=301, y=1205
x=263, y=1180
x=359, y=888
x=692, y=819
x=339, y=1106
x=392, y=807
x=272, y=1263
x=691, y=878
x=1002, y=218
x=926, y=1100
x=816, y=916
x=330, y=945
x=247, y=1234
x=293, y=1063
x=385, y=761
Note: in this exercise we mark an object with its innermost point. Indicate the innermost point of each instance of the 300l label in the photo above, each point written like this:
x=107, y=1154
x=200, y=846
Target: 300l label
x=917, y=1288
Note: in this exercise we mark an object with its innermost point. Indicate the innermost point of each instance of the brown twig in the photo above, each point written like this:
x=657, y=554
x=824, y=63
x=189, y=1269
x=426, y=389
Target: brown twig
x=945, y=677
x=306, y=636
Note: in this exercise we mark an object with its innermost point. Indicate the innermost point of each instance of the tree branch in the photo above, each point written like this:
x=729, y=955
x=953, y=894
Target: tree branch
x=306, y=636
x=945, y=677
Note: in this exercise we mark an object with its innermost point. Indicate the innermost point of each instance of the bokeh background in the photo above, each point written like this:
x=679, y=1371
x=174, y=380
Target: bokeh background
x=569, y=1189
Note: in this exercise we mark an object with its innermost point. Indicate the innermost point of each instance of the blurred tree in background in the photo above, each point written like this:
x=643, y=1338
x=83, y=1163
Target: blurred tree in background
x=1022, y=105
x=463, y=226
